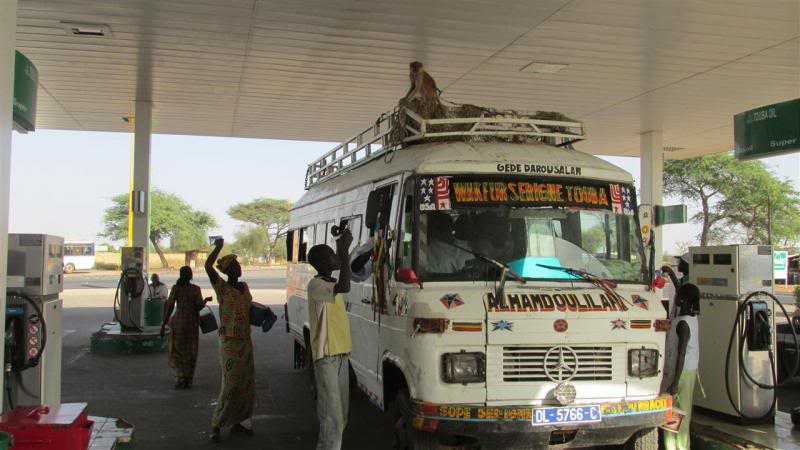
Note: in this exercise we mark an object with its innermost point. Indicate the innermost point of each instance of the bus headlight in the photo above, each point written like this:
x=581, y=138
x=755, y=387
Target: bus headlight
x=463, y=367
x=643, y=362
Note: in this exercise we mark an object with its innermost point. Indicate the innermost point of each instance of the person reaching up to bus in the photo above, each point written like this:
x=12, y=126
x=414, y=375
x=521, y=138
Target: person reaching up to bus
x=361, y=262
x=683, y=268
x=330, y=338
x=680, y=365
x=237, y=396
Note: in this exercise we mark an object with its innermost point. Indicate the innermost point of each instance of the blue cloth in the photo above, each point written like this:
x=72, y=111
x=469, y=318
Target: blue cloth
x=269, y=321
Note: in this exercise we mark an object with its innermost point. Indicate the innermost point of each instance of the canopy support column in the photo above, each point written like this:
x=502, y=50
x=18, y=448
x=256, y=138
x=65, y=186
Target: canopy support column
x=652, y=182
x=139, y=214
x=8, y=31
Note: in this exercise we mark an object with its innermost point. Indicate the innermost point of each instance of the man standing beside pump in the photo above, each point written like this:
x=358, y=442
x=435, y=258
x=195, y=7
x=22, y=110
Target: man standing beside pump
x=680, y=366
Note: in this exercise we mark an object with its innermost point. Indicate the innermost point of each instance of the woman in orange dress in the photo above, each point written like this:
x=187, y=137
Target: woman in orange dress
x=237, y=397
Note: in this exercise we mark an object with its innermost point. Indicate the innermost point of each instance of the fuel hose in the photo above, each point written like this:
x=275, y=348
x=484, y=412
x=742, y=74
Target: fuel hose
x=34, y=360
x=740, y=315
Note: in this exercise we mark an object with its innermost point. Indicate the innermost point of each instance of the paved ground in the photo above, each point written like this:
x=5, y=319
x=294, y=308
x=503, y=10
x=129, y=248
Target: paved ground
x=139, y=388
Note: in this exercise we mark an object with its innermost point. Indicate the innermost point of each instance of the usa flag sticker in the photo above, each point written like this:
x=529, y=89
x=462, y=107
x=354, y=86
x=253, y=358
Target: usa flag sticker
x=442, y=193
x=621, y=199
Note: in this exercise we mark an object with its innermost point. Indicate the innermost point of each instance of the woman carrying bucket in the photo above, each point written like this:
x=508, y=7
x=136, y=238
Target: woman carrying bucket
x=184, y=335
x=237, y=397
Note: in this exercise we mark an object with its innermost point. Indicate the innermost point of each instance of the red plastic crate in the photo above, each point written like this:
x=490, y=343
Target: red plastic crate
x=62, y=427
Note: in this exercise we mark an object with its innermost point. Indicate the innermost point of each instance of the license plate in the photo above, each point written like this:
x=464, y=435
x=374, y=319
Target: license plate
x=566, y=415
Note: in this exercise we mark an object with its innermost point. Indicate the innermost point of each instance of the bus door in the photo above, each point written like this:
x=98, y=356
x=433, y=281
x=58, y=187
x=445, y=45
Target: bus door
x=373, y=304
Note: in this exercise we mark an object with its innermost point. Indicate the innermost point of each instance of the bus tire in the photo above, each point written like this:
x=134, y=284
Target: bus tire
x=405, y=436
x=643, y=440
x=69, y=268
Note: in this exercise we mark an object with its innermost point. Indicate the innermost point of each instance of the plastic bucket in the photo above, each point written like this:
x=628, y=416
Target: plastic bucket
x=269, y=321
x=6, y=441
x=153, y=312
x=258, y=314
x=208, y=322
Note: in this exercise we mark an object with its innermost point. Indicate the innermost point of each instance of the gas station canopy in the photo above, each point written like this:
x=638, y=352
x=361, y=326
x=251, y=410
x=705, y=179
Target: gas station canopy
x=324, y=69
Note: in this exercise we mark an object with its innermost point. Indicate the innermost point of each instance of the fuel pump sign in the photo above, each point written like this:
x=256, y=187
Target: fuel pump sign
x=780, y=264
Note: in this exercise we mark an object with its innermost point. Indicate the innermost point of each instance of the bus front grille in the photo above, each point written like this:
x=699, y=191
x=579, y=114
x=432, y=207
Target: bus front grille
x=527, y=363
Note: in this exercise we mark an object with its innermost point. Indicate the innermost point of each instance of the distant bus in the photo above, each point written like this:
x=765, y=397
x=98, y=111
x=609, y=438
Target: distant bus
x=78, y=256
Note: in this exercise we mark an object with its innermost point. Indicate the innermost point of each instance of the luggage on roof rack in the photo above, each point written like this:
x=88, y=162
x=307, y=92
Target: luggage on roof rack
x=402, y=127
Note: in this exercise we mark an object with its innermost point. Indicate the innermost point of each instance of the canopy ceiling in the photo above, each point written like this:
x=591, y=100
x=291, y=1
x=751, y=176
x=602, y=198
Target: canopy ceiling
x=324, y=69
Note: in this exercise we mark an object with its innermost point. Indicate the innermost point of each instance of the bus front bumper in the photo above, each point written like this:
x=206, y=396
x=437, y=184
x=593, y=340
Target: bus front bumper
x=495, y=427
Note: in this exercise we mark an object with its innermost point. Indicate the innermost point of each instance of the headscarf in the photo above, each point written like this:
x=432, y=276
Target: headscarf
x=225, y=262
x=185, y=275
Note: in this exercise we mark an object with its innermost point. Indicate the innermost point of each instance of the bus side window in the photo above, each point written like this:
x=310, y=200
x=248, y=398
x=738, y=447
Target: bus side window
x=306, y=242
x=323, y=230
x=406, y=240
x=290, y=246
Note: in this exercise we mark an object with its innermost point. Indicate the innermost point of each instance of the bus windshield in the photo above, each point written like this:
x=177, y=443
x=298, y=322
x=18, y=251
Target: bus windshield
x=527, y=234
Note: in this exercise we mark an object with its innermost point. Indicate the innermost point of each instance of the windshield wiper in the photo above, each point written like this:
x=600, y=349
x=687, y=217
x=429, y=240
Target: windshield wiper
x=602, y=283
x=500, y=265
x=499, y=290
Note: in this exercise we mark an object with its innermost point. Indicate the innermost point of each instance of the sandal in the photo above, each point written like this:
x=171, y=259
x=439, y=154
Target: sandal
x=215, y=437
x=239, y=428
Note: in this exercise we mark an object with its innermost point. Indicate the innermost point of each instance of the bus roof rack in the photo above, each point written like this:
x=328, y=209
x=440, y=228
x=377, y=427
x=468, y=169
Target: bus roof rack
x=402, y=127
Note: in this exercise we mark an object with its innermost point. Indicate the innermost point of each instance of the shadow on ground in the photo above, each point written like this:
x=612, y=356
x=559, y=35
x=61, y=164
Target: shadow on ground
x=139, y=389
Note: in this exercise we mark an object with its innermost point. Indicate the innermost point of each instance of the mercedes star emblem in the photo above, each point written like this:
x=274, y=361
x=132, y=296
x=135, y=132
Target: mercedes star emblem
x=560, y=364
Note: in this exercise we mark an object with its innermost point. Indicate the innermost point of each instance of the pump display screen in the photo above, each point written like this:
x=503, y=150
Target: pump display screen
x=15, y=311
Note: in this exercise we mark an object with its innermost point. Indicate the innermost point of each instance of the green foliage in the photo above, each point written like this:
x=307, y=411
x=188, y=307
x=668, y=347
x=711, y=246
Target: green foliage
x=593, y=240
x=170, y=217
x=703, y=181
x=756, y=200
x=270, y=215
x=740, y=201
x=250, y=244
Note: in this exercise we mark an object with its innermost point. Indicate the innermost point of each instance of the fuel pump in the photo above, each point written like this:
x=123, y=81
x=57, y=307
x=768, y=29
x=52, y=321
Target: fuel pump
x=735, y=282
x=32, y=365
x=129, y=299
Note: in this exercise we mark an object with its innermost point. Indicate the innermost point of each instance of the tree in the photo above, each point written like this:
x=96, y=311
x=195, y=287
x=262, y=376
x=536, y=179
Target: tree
x=765, y=209
x=170, y=217
x=250, y=243
x=271, y=215
x=701, y=180
x=739, y=200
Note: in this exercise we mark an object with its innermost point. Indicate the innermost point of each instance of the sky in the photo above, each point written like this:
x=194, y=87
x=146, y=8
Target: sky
x=62, y=181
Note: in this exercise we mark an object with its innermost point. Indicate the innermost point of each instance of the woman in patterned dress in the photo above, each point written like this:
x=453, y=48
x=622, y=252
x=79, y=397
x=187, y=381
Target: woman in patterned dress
x=184, y=334
x=237, y=397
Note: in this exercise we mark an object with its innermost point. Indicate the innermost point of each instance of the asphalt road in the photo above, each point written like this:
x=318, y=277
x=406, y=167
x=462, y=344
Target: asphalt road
x=256, y=279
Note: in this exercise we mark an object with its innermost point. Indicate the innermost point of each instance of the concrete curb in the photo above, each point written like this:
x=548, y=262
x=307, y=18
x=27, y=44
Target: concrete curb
x=110, y=340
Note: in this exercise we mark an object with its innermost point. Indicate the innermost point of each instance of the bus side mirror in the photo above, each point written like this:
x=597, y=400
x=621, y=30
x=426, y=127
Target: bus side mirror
x=408, y=275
